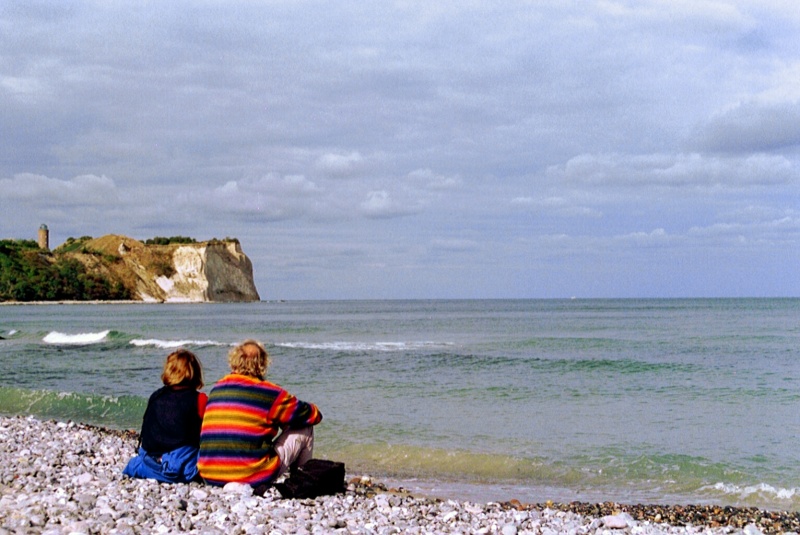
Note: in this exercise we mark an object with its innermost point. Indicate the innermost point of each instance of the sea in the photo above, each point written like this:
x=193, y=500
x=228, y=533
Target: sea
x=661, y=401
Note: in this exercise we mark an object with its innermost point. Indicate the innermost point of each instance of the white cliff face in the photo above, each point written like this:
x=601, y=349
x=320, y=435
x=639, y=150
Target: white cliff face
x=209, y=272
x=191, y=273
x=188, y=283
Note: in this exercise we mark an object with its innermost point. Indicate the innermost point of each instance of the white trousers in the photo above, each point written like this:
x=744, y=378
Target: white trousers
x=294, y=447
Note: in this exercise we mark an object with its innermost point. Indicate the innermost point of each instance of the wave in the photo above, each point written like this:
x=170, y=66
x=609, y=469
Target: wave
x=58, y=338
x=364, y=346
x=631, y=479
x=760, y=490
x=624, y=366
x=614, y=475
x=119, y=412
x=172, y=344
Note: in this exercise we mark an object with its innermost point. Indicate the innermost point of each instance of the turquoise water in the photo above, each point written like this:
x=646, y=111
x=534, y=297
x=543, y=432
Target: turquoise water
x=679, y=401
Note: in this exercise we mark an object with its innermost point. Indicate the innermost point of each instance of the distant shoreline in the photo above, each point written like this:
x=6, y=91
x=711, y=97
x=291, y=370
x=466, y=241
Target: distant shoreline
x=126, y=302
x=91, y=302
x=109, y=302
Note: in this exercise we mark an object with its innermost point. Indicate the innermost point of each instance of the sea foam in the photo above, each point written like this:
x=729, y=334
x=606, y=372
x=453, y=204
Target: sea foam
x=58, y=338
x=171, y=344
x=759, y=489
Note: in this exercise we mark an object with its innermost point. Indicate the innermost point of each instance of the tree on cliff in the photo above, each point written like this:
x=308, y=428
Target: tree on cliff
x=29, y=274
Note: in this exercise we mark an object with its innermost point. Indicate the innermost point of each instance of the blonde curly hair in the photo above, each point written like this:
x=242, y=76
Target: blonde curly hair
x=249, y=358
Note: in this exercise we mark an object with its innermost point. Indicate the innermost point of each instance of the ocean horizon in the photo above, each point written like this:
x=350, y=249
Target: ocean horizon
x=628, y=400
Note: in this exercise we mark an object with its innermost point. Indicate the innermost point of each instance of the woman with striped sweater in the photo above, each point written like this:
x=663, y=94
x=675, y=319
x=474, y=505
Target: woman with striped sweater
x=244, y=415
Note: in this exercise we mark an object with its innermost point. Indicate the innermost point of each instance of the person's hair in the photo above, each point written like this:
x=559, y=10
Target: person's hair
x=249, y=358
x=182, y=368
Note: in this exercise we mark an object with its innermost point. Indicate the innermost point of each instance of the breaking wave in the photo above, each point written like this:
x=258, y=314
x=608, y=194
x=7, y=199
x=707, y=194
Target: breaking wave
x=58, y=338
x=758, y=490
x=172, y=344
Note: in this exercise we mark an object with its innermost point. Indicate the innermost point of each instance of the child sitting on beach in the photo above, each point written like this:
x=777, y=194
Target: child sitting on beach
x=170, y=437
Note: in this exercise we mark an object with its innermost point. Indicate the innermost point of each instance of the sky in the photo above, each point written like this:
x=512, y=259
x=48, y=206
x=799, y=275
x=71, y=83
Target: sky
x=418, y=149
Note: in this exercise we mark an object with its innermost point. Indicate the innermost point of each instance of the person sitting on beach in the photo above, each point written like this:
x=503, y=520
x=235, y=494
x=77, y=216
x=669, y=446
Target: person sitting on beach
x=245, y=413
x=170, y=438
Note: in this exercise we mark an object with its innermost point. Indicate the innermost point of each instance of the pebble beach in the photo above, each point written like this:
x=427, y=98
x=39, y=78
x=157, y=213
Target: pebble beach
x=65, y=478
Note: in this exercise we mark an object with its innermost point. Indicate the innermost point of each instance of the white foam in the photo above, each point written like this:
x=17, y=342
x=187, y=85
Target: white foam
x=759, y=489
x=75, y=339
x=171, y=344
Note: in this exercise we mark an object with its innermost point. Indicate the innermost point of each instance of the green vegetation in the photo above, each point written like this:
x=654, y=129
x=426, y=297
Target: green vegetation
x=29, y=274
x=226, y=240
x=73, y=244
x=159, y=240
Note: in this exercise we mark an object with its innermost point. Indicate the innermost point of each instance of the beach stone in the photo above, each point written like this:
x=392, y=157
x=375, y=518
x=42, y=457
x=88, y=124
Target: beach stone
x=83, y=479
x=73, y=484
x=199, y=494
x=752, y=529
x=509, y=529
x=616, y=521
x=238, y=488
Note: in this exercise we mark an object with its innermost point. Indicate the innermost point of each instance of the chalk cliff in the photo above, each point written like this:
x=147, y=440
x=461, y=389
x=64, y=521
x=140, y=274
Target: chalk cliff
x=215, y=271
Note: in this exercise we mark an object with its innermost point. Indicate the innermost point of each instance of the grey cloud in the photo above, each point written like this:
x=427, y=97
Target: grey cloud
x=656, y=238
x=80, y=191
x=753, y=127
x=557, y=135
x=433, y=181
x=269, y=198
x=778, y=232
x=340, y=165
x=380, y=204
x=556, y=205
x=675, y=170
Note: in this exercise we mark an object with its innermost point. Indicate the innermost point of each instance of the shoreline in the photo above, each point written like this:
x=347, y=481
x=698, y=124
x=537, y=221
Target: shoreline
x=65, y=477
x=127, y=302
x=90, y=302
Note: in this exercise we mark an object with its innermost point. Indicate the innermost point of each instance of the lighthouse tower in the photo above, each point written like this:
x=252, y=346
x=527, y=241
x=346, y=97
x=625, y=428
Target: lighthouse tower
x=44, y=237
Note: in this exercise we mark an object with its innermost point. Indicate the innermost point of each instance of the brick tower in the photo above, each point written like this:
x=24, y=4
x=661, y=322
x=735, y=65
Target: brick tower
x=44, y=237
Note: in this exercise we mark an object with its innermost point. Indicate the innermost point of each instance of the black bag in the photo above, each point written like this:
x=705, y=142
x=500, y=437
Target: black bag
x=317, y=477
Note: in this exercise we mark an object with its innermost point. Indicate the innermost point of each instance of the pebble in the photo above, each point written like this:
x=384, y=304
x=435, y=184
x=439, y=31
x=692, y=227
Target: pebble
x=66, y=478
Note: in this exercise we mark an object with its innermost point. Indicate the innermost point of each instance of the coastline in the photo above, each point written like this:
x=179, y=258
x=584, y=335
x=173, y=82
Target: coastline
x=111, y=302
x=65, y=477
x=91, y=302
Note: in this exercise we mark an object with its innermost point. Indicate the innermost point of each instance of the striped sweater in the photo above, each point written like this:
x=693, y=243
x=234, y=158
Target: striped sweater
x=242, y=417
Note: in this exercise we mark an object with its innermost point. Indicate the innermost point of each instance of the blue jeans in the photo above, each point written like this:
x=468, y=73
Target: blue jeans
x=176, y=466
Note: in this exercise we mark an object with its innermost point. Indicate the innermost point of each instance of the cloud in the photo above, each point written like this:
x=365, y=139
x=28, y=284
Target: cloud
x=340, y=165
x=563, y=137
x=753, y=127
x=381, y=205
x=655, y=238
x=556, y=205
x=269, y=198
x=675, y=171
x=782, y=232
x=82, y=190
x=25, y=89
x=433, y=181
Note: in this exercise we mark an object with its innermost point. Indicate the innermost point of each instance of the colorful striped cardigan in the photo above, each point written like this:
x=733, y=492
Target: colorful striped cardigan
x=243, y=416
